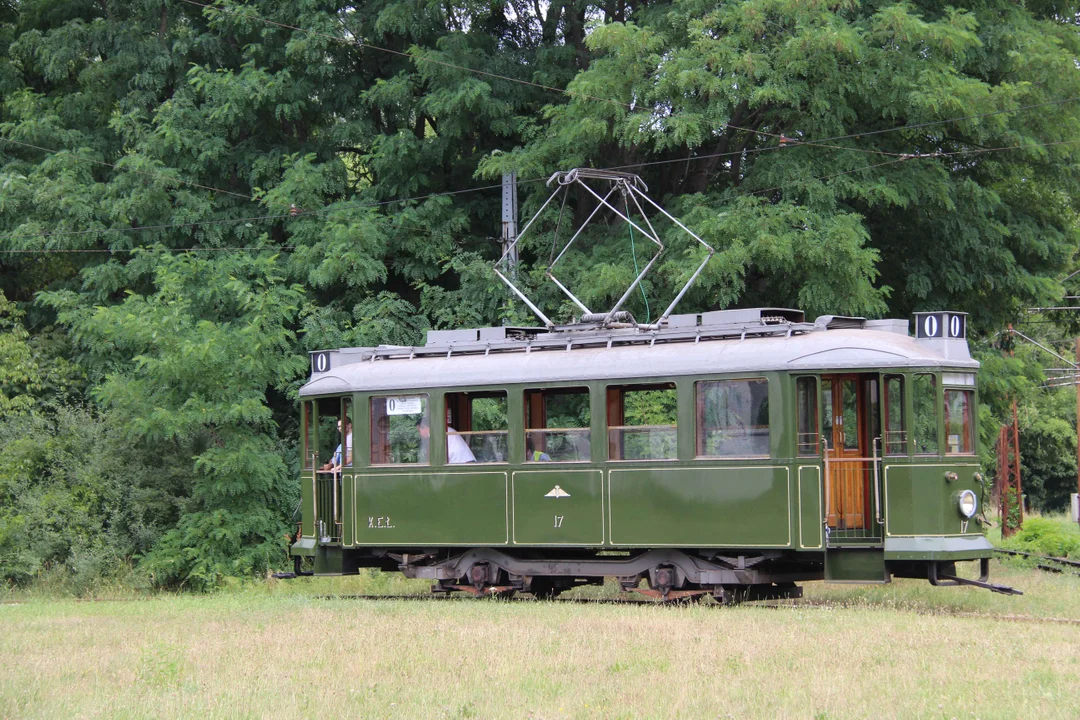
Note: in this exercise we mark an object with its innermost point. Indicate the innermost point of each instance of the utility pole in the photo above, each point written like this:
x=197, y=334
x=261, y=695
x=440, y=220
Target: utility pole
x=1008, y=452
x=510, y=222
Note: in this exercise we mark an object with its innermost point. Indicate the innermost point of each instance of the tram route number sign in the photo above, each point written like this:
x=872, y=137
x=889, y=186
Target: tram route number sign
x=404, y=406
x=941, y=325
x=320, y=362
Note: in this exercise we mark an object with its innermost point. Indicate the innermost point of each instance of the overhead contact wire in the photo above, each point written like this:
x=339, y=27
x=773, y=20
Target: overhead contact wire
x=346, y=206
x=147, y=173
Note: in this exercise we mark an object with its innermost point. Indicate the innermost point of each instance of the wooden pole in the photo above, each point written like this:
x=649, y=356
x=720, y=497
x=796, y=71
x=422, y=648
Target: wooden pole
x=1076, y=376
x=1016, y=463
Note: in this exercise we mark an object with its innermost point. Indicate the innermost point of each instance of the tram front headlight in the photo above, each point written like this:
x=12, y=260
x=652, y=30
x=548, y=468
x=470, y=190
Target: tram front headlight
x=967, y=503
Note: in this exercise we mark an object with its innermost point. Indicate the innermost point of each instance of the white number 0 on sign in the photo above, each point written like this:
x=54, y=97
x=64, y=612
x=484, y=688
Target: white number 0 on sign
x=403, y=406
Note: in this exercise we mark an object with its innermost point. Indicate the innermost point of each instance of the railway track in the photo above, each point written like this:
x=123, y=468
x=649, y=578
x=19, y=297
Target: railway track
x=803, y=604
x=1048, y=563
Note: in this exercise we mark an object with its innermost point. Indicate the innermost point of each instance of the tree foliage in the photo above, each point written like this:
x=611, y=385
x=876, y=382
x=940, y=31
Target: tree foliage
x=869, y=158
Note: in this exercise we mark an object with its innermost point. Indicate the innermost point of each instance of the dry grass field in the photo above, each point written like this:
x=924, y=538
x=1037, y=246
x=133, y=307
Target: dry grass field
x=305, y=648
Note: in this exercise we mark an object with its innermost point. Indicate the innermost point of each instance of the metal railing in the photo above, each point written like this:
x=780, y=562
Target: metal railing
x=326, y=491
x=845, y=517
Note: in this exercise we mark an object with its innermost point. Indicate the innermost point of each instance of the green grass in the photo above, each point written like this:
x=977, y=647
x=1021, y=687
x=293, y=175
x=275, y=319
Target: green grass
x=306, y=649
x=1054, y=535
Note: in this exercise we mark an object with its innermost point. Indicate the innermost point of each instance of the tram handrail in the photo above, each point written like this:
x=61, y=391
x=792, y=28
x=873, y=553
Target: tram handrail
x=828, y=487
x=314, y=495
x=874, y=459
x=877, y=491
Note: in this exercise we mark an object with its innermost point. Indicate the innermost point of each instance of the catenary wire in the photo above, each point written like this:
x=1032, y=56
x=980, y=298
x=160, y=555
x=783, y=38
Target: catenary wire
x=130, y=170
x=345, y=206
x=784, y=141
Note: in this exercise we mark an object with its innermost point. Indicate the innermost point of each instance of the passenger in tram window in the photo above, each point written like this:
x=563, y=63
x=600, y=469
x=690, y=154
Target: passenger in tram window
x=534, y=455
x=334, y=465
x=457, y=450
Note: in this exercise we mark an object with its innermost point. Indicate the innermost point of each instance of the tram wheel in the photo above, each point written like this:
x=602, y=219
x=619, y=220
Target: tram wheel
x=545, y=589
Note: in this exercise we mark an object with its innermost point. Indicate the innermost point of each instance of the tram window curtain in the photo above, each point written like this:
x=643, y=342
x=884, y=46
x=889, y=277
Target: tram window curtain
x=924, y=403
x=959, y=427
x=400, y=430
x=733, y=418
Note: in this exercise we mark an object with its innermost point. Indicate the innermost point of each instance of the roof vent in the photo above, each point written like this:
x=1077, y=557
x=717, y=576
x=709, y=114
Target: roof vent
x=751, y=316
x=840, y=322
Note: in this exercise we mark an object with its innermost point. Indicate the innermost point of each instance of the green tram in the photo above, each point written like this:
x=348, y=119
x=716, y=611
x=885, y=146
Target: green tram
x=733, y=453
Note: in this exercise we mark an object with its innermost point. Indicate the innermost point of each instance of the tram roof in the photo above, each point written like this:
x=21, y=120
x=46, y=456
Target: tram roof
x=465, y=359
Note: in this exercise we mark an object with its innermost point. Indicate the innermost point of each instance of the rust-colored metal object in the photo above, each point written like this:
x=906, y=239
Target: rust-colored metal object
x=484, y=591
x=670, y=595
x=1010, y=491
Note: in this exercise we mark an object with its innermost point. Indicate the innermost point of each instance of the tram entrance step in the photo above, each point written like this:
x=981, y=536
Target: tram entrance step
x=855, y=566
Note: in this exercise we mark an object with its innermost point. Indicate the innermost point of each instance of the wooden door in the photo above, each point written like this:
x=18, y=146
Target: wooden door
x=844, y=425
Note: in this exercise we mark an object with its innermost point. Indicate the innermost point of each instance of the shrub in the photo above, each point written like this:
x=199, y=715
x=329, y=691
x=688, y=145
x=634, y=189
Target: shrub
x=1056, y=536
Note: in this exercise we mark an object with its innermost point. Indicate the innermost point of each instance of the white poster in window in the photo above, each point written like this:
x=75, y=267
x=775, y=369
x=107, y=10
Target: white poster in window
x=404, y=406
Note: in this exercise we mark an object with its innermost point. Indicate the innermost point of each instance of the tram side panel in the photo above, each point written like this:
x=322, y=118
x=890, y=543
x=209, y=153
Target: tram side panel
x=401, y=509
x=922, y=516
x=745, y=506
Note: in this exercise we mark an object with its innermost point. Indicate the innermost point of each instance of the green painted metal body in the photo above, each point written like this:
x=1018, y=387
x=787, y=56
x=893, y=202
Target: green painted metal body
x=773, y=503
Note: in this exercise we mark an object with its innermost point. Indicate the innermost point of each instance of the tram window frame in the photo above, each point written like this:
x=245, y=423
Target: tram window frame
x=460, y=414
x=326, y=442
x=967, y=420
x=307, y=434
x=933, y=404
x=615, y=396
x=539, y=413
x=382, y=452
x=898, y=446
x=806, y=449
x=347, y=434
x=700, y=417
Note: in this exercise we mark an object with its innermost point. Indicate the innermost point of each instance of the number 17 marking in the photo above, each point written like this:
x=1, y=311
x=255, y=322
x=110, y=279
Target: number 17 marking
x=558, y=520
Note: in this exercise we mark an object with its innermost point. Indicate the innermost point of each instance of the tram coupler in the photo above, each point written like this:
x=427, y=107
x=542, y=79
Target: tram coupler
x=940, y=579
x=297, y=572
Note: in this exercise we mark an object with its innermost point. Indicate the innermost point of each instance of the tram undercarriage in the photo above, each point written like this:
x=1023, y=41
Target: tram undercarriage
x=661, y=574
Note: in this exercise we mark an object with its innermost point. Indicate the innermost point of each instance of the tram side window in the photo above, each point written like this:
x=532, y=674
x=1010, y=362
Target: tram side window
x=924, y=401
x=959, y=427
x=308, y=431
x=476, y=422
x=400, y=430
x=733, y=418
x=329, y=436
x=557, y=425
x=642, y=422
x=809, y=438
x=895, y=425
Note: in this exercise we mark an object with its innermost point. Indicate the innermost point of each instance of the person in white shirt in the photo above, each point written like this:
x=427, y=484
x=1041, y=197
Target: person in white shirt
x=457, y=450
x=336, y=462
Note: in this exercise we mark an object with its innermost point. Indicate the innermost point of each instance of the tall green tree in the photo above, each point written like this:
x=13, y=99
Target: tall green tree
x=334, y=142
x=719, y=105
